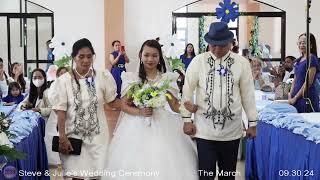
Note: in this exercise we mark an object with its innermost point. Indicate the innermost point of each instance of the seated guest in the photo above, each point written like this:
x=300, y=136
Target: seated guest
x=281, y=88
x=51, y=74
x=38, y=95
x=289, y=67
x=269, y=67
x=17, y=75
x=60, y=72
x=14, y=96
x=260, y=81
x=54, y=73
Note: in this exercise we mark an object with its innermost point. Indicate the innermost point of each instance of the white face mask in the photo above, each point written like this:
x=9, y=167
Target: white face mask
x=38, y=82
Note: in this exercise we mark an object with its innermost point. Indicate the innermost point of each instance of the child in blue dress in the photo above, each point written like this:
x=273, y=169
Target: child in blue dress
x=15, y=96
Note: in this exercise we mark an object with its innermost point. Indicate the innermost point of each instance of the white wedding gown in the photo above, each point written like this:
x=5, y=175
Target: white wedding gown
x=160, y=151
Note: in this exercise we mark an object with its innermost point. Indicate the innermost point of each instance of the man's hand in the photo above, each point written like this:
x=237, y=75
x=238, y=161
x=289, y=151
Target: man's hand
x=251, y=132
x=189, y=128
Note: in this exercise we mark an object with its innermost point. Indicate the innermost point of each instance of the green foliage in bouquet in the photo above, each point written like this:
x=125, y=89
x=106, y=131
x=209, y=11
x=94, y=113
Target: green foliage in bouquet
x=147, y=95
x=135, y=87
x=176, y=63
x=65, y=61
x=10, y=153
x=5, y=150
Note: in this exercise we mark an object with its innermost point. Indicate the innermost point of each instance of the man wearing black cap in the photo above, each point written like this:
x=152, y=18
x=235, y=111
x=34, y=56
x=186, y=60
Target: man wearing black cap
x=224, y=85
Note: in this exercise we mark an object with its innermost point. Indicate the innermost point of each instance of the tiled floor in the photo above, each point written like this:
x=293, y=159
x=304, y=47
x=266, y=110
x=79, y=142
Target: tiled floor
x=112, y=117
x=56, y=173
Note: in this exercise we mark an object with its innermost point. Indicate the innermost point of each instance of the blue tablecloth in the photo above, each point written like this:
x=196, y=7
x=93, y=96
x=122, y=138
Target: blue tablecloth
x=7, y=109
x=277, y=153
x=32, y=144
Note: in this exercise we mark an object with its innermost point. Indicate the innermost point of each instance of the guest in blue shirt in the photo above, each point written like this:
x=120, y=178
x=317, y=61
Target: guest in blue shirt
x=188, y=55
x=50, y=56
x=118, y=59
x=14, y=96
x=297, y=96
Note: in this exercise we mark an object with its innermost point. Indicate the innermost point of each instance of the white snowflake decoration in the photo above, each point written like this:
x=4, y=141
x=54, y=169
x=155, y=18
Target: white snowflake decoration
x=61, y=46
x=172, y=46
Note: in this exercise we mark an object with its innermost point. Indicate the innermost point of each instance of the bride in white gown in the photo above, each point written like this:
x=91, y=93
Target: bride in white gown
x=160, y=151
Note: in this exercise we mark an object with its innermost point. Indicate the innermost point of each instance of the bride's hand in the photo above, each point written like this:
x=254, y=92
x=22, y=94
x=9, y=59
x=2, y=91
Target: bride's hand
x=147, y=112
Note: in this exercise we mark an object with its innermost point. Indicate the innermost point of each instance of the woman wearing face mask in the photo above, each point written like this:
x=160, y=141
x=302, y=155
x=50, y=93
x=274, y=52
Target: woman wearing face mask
x=38, y=96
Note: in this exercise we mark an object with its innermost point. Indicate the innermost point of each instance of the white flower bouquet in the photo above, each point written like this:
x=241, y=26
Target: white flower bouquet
x=149, y=96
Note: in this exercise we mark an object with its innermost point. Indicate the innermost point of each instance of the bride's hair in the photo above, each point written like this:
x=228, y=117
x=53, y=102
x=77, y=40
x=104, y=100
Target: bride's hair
x=161, y=66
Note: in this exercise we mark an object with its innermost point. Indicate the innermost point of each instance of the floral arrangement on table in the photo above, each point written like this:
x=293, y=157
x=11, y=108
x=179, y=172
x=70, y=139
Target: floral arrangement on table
x=173, y=48
x=4, y=125
x=149, y=96
x=7, y=151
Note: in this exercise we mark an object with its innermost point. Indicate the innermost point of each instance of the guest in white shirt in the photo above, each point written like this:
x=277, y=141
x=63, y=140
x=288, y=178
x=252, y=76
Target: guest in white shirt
x=289, y=68
x=224, y=85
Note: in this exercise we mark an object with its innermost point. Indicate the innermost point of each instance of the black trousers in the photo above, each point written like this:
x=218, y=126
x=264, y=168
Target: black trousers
x=223, y=152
